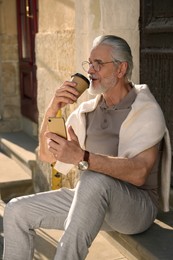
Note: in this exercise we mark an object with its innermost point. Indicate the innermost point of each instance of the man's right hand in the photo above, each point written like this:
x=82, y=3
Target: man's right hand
x=66, y=94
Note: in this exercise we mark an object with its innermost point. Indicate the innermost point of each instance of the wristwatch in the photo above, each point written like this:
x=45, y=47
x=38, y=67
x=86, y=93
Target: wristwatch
x=84, y=164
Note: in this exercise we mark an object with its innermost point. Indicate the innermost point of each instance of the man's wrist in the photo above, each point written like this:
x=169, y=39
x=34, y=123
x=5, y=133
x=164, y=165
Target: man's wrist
x=51, y=112
x=84, y=163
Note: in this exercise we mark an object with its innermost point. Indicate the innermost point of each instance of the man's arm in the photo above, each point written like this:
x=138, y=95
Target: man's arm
x=66, y=94
x=133, y=170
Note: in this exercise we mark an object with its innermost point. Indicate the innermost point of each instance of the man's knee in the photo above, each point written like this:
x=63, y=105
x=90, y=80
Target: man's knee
x=15, y=208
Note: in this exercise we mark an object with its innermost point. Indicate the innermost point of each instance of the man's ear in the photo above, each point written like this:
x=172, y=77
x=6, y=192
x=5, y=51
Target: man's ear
x=122, y=69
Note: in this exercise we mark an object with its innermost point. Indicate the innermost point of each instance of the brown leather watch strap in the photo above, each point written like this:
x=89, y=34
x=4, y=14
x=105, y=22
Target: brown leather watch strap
x=86, y=156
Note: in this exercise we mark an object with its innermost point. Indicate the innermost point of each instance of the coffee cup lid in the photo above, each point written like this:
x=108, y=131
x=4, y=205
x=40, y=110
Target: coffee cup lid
x=81, y=76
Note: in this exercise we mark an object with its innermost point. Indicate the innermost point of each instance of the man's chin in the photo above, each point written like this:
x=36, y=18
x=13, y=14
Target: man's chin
x=95, y=90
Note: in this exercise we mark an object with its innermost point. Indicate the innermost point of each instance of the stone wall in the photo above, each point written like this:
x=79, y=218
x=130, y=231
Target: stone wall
x=55, y=52
x=10, y=117
x=65, y=34
x=64, y=41
x=94, y=18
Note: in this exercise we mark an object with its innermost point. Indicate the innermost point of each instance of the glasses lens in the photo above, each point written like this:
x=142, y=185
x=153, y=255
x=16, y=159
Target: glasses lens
x=85, y=66
x=95, y=65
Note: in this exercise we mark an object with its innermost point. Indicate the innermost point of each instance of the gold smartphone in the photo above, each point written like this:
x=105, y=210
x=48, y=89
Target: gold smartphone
x=57, y=125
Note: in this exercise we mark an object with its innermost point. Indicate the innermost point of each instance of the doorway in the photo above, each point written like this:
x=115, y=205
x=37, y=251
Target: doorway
x=27, y=24
x=156, y=53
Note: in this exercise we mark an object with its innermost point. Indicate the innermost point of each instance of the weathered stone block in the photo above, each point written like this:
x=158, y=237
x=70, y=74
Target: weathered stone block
x=62, y=15
x=10, y=125
x=55, y=51
x=45, y=50
x=9, y=78
x=12, y=101
x=8, y=23
x=9, y=48
x=11, y=112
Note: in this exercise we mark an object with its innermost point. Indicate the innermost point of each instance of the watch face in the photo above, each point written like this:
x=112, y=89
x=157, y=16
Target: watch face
x=83, y=165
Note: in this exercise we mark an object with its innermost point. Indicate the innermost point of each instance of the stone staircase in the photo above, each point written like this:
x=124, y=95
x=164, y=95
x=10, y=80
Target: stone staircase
x=17, y=163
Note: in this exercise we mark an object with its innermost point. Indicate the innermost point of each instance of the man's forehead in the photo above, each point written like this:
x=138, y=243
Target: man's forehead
x=101, y=52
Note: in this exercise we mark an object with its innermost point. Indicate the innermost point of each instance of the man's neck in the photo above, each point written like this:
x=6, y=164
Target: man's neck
x=115, y=95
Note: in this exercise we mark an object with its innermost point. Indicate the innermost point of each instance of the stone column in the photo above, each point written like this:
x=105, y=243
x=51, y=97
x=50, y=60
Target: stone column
x=55, y=61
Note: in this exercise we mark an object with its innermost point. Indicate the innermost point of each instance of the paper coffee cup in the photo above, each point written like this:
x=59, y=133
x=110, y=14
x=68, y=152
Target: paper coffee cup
x=82, y=82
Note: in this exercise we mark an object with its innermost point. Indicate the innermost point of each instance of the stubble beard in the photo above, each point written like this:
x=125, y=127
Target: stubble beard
x=102, y=87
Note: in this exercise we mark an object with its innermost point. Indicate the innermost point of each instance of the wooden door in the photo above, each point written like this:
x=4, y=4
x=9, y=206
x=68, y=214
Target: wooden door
x=156, y=54
x=27, y=12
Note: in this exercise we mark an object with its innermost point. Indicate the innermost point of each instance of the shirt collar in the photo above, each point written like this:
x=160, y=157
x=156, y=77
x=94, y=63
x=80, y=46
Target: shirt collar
x=125, y=103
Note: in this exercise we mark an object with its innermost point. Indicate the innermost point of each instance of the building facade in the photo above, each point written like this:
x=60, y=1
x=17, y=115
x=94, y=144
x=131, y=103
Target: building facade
x=62, y=32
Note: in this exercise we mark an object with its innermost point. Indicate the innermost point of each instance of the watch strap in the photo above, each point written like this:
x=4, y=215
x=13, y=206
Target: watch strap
x=86, y=156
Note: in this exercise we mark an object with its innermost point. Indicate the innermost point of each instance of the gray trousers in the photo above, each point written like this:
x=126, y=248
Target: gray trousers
x=97, y=202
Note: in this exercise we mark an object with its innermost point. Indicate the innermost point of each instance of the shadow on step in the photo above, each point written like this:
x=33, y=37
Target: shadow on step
x=155, y=243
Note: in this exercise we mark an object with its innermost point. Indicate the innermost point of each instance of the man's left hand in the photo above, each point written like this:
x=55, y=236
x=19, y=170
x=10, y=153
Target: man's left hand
x=67, y=151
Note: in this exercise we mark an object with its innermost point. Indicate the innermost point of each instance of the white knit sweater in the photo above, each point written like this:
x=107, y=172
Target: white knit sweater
x=144, y=127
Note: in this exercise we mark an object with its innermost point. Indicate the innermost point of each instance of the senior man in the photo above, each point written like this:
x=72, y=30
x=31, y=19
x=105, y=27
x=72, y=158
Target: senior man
x=114, y=140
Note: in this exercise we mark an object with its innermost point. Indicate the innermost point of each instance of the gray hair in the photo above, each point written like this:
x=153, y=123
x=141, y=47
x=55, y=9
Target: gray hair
x=120, y=50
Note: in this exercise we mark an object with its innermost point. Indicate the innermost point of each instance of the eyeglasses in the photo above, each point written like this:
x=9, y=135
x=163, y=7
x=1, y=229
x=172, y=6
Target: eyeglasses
x=97, y=65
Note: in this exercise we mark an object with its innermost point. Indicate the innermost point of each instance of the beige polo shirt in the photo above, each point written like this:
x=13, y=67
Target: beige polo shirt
x=103, y=125
x=102, y=134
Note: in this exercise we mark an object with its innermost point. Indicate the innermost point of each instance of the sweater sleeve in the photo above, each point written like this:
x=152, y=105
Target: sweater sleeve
x=144, y=127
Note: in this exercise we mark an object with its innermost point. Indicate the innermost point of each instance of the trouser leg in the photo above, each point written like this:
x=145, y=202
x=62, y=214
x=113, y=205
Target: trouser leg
x=24, y=214
x=86, y=216
x=131, y=210
x=100, y=200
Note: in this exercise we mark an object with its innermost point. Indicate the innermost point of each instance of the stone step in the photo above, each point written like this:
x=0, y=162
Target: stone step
x=101, y=248
x=153, y=244
x=20, y=147
x=14, y=180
